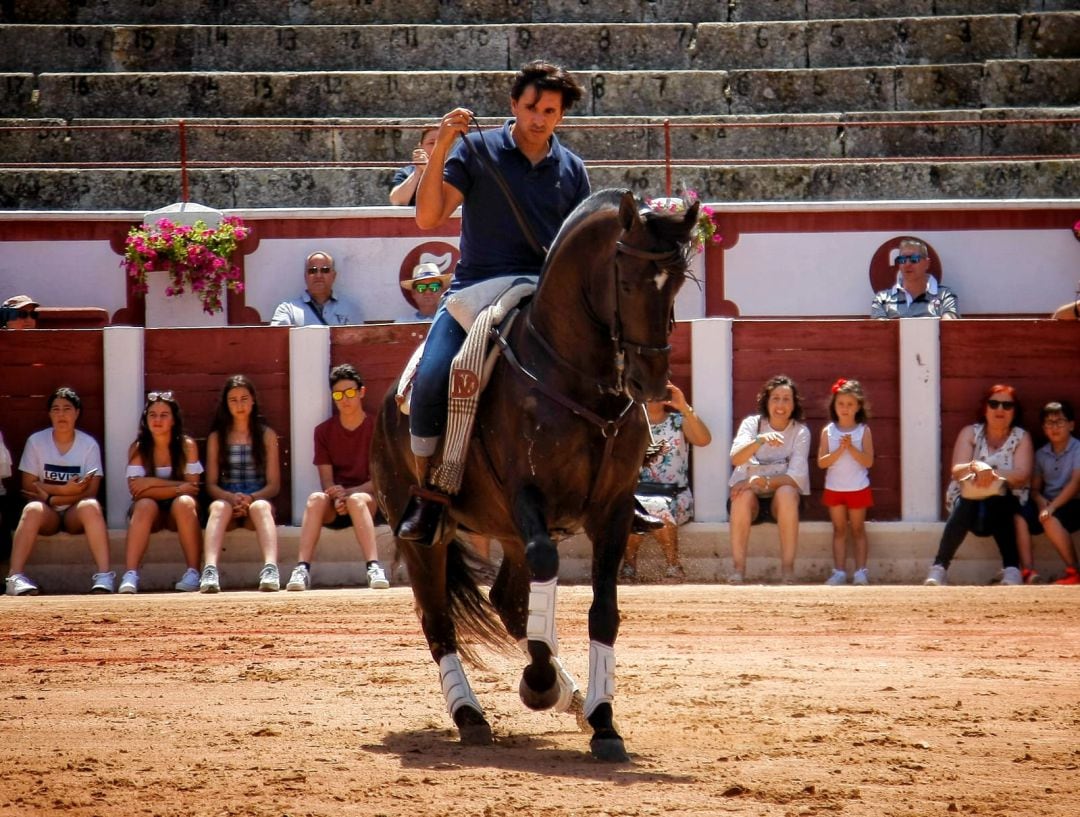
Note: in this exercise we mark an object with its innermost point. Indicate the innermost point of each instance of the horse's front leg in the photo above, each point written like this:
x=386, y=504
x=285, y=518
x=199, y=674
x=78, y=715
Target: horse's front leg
x=609, y=541
x=539, y=687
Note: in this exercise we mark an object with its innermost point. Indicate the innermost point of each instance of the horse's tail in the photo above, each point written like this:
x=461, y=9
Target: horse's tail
x=475, y=618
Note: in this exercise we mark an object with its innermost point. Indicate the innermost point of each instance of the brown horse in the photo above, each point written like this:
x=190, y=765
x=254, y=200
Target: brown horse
x=557, y=446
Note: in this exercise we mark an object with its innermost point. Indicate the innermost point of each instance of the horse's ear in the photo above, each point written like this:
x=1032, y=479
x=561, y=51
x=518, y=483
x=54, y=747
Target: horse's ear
x=690, y=219
x=628, y=210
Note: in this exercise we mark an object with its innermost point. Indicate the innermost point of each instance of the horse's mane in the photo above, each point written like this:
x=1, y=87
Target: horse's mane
x=597, y=204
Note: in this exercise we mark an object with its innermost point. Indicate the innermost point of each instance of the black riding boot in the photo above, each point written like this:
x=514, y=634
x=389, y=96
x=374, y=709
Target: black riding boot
x=420, y=520
x=644, y=522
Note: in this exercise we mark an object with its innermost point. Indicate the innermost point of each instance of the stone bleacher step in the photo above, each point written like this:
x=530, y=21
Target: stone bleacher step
x=900, y=553
x=1052, y=131
x=243, y=188
x=997, y=83
x=580, y=46
x=353, y=12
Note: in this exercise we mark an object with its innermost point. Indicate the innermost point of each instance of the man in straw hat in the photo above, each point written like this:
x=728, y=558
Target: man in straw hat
x=426, y=286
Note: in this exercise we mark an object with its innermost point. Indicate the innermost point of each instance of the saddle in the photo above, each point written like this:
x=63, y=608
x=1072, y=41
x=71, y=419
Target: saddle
x=483, y=310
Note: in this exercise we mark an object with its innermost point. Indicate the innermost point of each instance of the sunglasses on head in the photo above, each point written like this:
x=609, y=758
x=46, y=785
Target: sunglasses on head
x=323, y=270
x=914, y=258
x=154, y=396
x=341, y=395
x=1008, y=405
x=434, y=286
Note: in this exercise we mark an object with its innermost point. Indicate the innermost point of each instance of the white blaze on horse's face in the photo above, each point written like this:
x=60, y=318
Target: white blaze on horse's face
x=660, y=278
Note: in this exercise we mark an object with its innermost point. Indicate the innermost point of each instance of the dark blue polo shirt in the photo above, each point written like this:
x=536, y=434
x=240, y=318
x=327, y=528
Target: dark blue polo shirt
x=492, y=243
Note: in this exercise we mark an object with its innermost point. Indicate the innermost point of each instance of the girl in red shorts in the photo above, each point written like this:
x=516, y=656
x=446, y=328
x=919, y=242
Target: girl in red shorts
x=846, y=452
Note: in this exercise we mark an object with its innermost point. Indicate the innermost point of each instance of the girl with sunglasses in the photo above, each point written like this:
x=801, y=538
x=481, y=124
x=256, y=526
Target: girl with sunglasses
x=243, y=473
x=163, y=476
x=992, y=462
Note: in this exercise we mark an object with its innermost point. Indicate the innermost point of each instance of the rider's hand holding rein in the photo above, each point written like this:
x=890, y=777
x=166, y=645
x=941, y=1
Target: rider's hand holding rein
x=436, y=199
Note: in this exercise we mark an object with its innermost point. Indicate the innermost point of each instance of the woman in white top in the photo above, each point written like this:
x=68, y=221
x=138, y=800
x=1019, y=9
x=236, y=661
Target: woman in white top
x=163, y=477
x=61, y=474
x=994, y=458
x=772, y=473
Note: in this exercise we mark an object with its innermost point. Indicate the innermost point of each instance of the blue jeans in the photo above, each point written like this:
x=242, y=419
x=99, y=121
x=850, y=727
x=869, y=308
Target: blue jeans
x=431, y=387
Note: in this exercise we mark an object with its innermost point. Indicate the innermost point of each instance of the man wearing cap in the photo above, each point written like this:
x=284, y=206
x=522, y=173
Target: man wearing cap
x=427, y=286
x=318, y=304
x=917, y=294
x=21, y=312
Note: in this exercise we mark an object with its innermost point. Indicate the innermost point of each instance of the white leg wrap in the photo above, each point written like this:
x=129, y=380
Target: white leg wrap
x=455, y=686
x=601, y=676
x=541, y=625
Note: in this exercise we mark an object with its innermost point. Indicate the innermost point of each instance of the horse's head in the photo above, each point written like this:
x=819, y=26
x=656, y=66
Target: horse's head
x=652, y=254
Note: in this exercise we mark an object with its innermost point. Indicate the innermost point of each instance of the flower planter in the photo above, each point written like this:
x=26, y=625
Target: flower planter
x=176, y=310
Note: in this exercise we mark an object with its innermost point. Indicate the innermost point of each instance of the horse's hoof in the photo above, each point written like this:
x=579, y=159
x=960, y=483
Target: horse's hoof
x=473, y=728
x=608, y=747
x=538, y=700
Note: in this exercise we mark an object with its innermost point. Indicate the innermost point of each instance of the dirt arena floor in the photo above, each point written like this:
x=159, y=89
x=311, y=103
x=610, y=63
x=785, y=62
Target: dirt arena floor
x=733, y=701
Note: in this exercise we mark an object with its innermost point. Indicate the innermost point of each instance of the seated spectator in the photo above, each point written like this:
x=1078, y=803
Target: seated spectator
x=917, y=293
x=243, y=473
x=770, y=455
x=318, y=304
x=427, y=285
x=347, y=498
x=1054, y=505
x=664, y=484
x=61, y=475
x=163, y=476
x=990, y=474
x=19, y=312
x=5, y=473
x=407, y=178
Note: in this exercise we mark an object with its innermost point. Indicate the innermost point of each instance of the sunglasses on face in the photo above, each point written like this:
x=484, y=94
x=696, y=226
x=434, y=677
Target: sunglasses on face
x=341, y=395
x=316, y=270
x=432, y=287
x=914, y=258
x=1059, y=423
x=154, y=396
x=1008, y=405
x=31, y=314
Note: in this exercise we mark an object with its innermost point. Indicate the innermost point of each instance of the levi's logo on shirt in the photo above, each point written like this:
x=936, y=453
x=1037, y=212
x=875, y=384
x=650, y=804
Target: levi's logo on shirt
x=60, y=474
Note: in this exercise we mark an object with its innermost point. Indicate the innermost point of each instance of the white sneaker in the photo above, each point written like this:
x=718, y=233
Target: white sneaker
x=269, y=580
x=838, y=577
x=103, y=582
x=861, y=577
x=1012, y=576
x=19, y=585
x=130, y=582
x=300, y=579
x=209, y=582
x=376, y=579
x=189, y=582
x=735, y=577
x=937, y=577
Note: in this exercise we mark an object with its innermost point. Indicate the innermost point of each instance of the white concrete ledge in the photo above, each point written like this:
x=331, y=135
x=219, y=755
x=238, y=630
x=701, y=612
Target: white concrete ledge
x=900, y=553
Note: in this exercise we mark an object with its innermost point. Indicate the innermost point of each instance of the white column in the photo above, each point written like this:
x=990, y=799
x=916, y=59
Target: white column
x=920, y=419
x=711, y=363
x=309, y=405
x=124, y=348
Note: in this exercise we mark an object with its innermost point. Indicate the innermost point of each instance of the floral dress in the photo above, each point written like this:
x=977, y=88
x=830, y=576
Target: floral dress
x=663, y=486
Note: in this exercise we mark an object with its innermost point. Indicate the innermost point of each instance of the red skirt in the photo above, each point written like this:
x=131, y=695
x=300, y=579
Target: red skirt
x=856, y=500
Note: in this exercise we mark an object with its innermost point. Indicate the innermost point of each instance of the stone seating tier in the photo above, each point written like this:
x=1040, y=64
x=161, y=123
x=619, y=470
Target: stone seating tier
x=352, y=12
x=584, y=47
x=993, y=84
x=244, y=188
x=900, y=553
x=389, y=141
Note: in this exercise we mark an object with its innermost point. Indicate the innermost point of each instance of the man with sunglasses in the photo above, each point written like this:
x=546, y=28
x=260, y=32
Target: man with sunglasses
x=427, y=286
x=318, y=304
x=342, y=456
x=917, y=293
x=20, y=312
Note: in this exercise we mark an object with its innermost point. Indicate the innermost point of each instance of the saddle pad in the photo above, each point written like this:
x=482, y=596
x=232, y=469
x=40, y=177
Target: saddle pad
x=468, y=376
